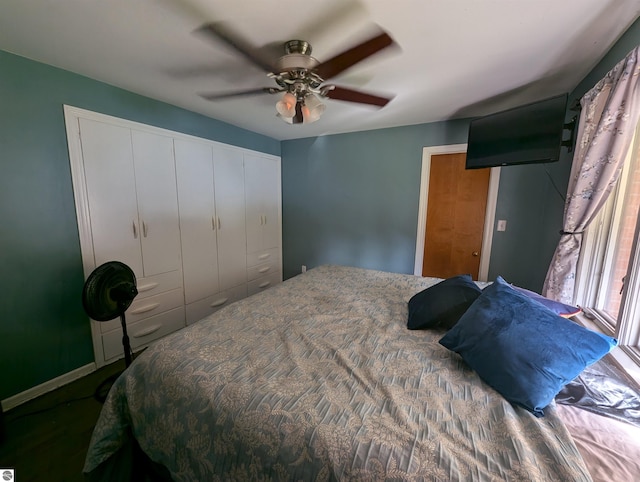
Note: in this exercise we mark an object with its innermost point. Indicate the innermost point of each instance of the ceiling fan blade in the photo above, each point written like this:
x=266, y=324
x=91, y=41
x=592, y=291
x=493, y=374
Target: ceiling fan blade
x=350, y=95
x=222, y=31
x=346, y=59
x=240, y=93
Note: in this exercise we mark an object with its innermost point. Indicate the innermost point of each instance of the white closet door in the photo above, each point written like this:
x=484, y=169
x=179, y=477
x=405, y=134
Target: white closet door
x=111, y=192
x=262, y=184
x=157, y=202
x=271, y=203
x=194, y=171
x=253, y=198
x=228, y=175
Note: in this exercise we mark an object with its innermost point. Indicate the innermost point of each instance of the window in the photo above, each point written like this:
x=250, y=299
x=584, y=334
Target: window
x=608, y=283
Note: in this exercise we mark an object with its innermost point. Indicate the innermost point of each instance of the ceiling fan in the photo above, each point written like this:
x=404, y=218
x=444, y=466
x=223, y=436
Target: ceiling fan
x=299, y=75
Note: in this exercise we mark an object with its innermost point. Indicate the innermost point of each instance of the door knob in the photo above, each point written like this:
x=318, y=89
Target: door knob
x=474, y=254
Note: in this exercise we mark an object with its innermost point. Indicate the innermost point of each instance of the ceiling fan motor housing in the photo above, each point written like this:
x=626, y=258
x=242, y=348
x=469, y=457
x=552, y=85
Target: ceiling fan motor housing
x=297, y=47
x=291, y=62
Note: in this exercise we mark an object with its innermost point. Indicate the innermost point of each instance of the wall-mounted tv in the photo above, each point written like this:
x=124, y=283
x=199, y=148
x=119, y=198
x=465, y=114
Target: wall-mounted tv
x=527, y=134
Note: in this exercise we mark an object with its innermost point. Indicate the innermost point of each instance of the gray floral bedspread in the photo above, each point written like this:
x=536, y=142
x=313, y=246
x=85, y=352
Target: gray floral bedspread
x=319, y=379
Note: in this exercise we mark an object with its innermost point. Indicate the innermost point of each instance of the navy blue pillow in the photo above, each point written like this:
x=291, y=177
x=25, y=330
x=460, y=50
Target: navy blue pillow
x=442, y=305
x=520, y=348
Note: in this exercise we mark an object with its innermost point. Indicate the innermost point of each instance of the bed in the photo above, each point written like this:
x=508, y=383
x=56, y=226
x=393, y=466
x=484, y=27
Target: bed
x=319, y=379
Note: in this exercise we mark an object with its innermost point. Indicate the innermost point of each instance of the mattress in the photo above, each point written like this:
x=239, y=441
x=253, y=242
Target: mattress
x=318, y=378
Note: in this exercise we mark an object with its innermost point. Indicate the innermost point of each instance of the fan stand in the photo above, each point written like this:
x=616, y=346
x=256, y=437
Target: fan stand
x=125, y=338
x=103, y=389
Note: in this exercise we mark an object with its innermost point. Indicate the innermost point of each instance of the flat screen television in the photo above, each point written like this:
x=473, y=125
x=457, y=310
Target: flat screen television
x=528, y=134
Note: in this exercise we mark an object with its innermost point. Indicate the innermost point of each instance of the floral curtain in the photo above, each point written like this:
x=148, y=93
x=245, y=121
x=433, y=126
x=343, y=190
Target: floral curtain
x=610, y=112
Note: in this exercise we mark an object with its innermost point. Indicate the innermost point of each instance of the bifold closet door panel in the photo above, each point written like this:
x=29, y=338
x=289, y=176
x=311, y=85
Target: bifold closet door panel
x=271, y=203
x=194, y=172
x=157, y=202
x=228, y=177
x=111, y=192
x=262, y=197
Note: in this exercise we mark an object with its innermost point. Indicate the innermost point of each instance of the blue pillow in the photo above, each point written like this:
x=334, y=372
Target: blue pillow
x=520, y=348
x=442, y=305
x=559, y=308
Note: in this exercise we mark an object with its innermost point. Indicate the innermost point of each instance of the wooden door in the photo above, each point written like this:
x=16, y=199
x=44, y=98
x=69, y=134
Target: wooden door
x=456, y=208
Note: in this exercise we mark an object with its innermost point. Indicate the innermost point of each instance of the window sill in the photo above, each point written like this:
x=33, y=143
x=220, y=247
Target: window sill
x=628, y=357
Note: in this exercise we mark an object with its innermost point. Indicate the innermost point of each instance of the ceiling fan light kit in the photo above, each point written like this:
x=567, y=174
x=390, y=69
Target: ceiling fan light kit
x=287, y=106
x=299, y=75
x=312, y=108
x=299, y=109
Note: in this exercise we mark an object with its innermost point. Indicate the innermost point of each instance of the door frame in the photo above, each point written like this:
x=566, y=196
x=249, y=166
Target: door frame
x=489, y=217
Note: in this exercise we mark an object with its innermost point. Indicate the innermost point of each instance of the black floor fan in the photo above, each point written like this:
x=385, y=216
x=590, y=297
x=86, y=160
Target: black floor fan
x=107, y=293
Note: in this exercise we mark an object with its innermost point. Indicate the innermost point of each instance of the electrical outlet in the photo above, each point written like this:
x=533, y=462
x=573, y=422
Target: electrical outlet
x=502, y=224
x=304, y=268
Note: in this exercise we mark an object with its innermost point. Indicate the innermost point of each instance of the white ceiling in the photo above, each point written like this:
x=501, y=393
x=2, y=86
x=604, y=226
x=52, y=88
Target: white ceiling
x=455, y=58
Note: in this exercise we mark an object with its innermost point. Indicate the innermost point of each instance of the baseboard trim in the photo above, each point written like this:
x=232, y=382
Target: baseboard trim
x=48, y=386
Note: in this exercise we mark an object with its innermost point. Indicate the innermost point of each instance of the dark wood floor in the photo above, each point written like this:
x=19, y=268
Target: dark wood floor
x=46, y=439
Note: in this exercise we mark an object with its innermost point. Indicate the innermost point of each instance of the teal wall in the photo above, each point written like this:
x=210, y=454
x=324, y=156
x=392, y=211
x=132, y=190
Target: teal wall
x=533, y=209
x=353, y=198
x=43, y=329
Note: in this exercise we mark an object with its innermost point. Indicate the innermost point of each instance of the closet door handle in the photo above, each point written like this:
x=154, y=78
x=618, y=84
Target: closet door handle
x=144, y=229
x=135, y=230
x=219, y=224
x=213, y=223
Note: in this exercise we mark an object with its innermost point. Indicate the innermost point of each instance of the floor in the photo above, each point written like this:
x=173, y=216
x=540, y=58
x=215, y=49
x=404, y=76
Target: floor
x=46, y=439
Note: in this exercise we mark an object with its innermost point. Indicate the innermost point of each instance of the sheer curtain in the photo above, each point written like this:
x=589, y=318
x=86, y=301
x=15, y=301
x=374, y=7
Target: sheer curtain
x=609, y=116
